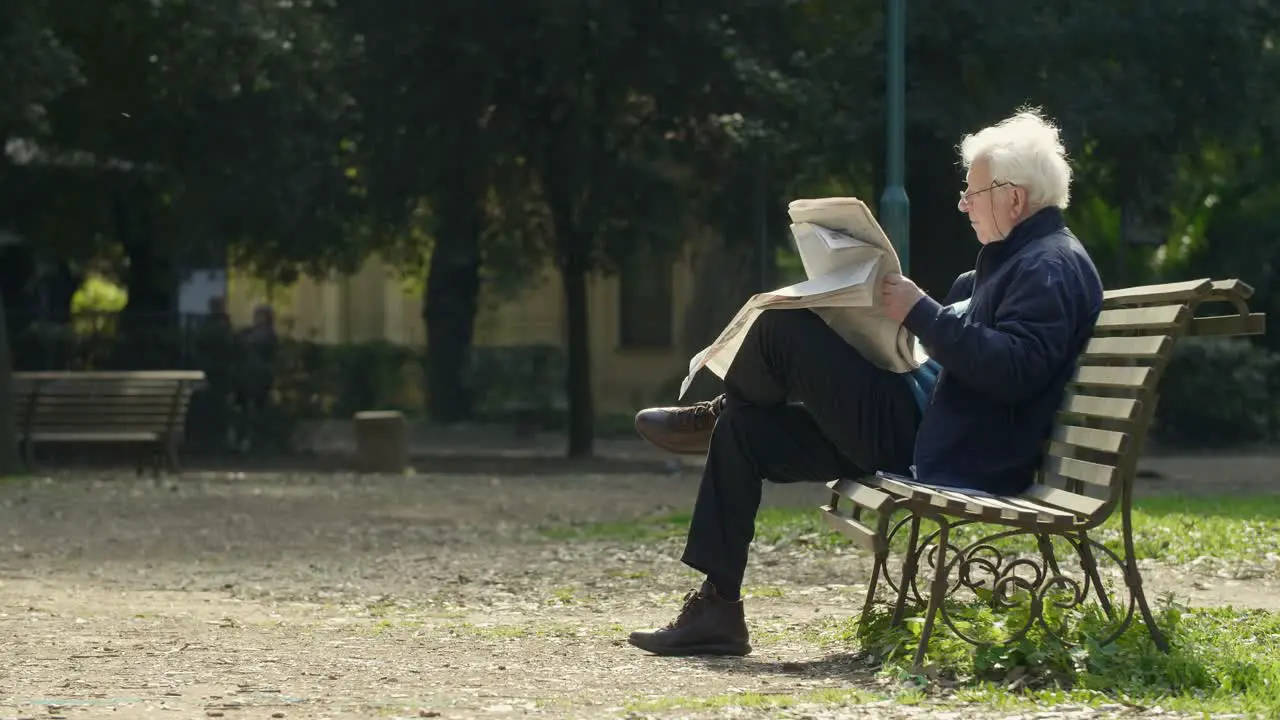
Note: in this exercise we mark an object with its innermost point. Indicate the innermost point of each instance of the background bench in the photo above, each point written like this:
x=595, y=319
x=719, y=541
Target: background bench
x=146, y=408
x=1087, y=477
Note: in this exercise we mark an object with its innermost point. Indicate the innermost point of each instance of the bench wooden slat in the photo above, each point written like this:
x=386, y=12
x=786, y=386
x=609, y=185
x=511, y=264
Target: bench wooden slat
x=93, y=435
x=979, y=506
x=1074, y=502
x=1045, y=514
x=1233, y=288
x=98, y=409
x=1084, y=471
x=1100, y=407
x=1108, y=441
x=1133, y=378
x=108, y=375
x=1217, y=325
x=854, y=530
x=971, y=504
x=1082, y=505
x=993, y=507
x=117, y=397
x=105, y=393
x=1142, y=347
x=861, y=494
x=1160, y=317
x=1167, y=292
x=94, y=422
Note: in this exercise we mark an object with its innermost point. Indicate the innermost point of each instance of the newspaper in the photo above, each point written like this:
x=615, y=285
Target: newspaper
x=845, y=253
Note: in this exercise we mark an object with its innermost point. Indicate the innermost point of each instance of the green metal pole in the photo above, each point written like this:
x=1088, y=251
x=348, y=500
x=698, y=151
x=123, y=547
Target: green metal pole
x=894, y=206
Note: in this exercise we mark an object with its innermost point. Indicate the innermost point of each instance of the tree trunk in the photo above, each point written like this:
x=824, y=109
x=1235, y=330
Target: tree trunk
x=449, y=309
x=17, y=270
x=10, y=463
x=573, y=274
x=572, y=248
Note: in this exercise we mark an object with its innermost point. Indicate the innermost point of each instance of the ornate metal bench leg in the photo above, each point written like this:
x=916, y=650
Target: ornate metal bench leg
x=937, y=591
x=1046, y=551
x=171, y=455
x=880, y=564
x=910, y=562
x=1089, y=563
x=1133, y=578
x=876, y=568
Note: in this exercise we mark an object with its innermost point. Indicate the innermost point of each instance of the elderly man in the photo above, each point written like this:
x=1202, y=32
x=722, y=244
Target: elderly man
x=1002, y=345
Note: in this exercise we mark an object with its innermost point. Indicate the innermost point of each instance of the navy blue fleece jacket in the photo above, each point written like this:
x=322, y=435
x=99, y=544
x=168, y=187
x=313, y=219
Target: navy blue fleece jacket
x=1006, y=355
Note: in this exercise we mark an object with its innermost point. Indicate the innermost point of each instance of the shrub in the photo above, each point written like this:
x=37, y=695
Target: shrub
x=1219, y=392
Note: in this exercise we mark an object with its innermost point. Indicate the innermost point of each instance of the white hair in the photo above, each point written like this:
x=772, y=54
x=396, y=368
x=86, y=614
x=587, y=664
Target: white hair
x=1025, y=150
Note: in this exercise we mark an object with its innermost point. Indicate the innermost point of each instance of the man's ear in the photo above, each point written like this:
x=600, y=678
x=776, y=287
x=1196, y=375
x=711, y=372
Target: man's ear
x=1022, y=198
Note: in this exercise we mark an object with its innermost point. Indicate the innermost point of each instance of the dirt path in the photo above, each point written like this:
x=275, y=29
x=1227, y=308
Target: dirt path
x=335, y=596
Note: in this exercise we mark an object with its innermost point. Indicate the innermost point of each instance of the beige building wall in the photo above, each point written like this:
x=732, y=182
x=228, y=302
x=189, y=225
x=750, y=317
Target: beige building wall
x=376, y=304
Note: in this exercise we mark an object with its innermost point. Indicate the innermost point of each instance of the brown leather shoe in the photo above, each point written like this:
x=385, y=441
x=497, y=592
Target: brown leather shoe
x=683, y=430
x=707, y=625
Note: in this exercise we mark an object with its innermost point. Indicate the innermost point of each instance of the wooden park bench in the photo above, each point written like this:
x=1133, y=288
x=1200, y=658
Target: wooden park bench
x=1086, y=478
x=146, y=408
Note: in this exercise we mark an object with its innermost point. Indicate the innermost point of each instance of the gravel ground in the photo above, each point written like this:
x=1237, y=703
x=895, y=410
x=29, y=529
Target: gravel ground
x=328, y=595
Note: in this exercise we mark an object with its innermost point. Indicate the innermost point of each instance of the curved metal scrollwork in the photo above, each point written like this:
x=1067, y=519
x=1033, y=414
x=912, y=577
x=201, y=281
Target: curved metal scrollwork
x=1027, y=588
x=926, y=549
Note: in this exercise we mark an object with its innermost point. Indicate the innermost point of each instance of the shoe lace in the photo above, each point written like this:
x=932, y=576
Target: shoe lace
x=686, y=610
x=701, y=414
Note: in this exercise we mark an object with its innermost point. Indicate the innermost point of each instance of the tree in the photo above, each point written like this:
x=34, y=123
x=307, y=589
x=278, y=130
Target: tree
x=36, y=69
x=610, y=103
x=424, y=77
x=1133, y=103
x=207, y=128
x=9, y=461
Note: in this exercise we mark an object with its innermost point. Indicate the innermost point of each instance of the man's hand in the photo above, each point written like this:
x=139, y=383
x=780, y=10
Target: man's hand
x=899, y=294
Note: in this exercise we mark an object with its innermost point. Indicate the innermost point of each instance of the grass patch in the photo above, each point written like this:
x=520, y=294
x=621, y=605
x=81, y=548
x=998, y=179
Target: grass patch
x=642, y=530
x=1166, y=528
x=763, y=591
x=1222, y=660
x=829, y=696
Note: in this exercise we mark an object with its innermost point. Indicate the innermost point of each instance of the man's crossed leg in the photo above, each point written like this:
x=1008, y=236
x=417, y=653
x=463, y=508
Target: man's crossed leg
x=853, y=418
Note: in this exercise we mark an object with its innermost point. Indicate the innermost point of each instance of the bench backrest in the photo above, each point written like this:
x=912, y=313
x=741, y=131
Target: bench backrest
x=1092, y=455
x=70, y=402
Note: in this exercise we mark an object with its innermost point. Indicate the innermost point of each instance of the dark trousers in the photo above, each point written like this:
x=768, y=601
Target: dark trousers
x=856, y=419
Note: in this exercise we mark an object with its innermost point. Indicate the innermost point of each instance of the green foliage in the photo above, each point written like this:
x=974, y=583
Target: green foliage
x=1166, y=529
x=197, y=127
x=307, y=135
x=1222, y=659
x=318, y=380
x=1219, y=392
x=315, y=380
x=1097, y=224
x=521, y=378
x=36, y=67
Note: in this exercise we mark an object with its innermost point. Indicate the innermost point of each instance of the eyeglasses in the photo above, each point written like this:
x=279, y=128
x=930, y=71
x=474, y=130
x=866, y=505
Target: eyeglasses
x=963, y=203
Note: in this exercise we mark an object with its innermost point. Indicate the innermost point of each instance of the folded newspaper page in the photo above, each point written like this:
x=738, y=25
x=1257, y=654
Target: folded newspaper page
x=845, y=253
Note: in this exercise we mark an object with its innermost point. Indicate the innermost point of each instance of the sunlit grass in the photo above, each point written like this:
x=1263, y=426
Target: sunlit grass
x=1166, y=529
